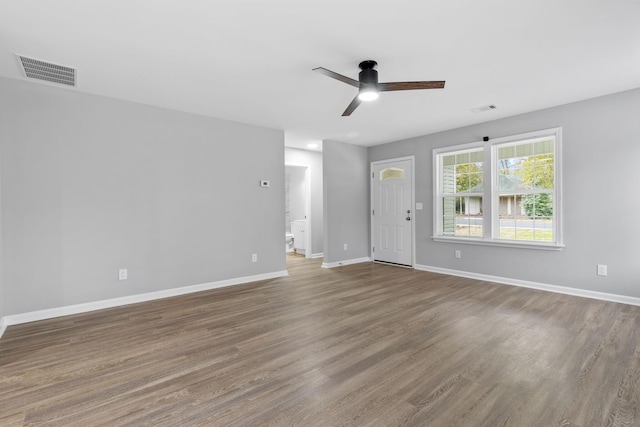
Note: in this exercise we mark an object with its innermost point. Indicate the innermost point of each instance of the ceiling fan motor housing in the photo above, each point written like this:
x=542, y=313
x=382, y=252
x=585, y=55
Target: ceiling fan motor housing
x=369, y=75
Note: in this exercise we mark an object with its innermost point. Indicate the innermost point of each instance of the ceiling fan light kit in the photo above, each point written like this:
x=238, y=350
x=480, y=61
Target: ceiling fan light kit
x=367, y=95
x=368, y=86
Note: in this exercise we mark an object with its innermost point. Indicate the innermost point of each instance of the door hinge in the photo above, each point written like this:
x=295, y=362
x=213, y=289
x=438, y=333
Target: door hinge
x=373, y=211
x=373, y=174
x=373, y=249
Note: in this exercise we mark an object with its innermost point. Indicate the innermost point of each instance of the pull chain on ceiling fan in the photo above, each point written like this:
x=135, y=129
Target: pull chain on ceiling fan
x=368, y=86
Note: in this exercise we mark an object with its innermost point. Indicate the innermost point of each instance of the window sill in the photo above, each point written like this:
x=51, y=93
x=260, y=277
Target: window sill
x=500, y=243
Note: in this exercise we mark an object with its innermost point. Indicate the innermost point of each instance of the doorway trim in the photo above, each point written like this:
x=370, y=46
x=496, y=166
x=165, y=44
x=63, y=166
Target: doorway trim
x=413, y=204
x=307, y=206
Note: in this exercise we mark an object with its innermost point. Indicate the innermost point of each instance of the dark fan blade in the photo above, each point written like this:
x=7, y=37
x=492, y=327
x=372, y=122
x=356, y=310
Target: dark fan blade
x=385, y=87
x=354, y=104
x=337, y=76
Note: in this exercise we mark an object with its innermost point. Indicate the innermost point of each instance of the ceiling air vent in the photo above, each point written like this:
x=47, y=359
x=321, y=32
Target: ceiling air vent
x=484, y=108
x=46, y=71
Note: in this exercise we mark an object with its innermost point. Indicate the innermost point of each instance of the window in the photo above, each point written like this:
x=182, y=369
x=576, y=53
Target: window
x=391, y=173
x=462, y=178
x=525, y=193
x=505, y=191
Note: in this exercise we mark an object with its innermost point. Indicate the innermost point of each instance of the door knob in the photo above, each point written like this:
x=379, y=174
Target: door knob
x=408, y=218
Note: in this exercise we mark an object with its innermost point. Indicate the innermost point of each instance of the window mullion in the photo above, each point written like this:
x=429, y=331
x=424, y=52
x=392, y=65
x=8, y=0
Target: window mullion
x=490, y=190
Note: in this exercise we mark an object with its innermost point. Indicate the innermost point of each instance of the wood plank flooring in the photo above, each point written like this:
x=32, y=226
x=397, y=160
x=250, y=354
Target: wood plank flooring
x=360, y=345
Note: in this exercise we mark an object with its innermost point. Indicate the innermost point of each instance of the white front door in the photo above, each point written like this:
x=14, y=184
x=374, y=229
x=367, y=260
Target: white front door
x=392, y=213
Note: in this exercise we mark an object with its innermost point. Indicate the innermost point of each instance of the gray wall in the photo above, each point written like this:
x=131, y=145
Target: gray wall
x=3, y=113
x=601, y=146
x=312, y=159
x=92, y=184
x=346, y=201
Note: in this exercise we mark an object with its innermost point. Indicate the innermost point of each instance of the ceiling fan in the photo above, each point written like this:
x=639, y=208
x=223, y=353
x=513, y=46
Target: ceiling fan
x=368, y=86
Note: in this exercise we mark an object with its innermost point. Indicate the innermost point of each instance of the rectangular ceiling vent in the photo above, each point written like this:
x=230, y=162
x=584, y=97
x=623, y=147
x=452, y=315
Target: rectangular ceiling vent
x=47, y=71
x=484, y=108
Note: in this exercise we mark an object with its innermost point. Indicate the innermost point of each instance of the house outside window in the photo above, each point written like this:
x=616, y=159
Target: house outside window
x=504, y=191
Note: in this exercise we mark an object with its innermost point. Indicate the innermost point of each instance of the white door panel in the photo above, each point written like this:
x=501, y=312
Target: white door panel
x=392, y=214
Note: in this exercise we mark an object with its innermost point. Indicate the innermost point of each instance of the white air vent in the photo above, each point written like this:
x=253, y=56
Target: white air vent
x=484, y=108
x=46, y=71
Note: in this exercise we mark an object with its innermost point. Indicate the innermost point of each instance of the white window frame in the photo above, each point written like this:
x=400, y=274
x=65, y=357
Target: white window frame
x=491, y=200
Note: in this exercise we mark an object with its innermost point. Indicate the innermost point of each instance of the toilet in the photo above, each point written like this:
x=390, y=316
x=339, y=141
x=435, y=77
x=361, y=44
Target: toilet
x=288, y=242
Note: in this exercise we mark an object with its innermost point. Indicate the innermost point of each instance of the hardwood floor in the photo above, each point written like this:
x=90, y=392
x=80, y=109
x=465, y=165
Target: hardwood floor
x=361, y=345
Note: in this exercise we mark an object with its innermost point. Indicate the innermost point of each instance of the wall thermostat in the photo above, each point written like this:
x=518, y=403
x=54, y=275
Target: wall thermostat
x=264, y=183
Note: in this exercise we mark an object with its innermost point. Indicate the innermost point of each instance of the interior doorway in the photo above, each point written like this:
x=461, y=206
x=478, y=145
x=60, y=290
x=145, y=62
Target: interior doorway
x=298, y=210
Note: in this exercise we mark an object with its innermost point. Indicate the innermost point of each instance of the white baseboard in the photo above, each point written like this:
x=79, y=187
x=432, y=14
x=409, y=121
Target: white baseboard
x=534, y=285
x=50, y=313
x=345, y=262
x=319, y=255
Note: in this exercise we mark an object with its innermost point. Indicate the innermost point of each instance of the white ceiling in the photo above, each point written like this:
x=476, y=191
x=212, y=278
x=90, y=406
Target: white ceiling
x=251, y=60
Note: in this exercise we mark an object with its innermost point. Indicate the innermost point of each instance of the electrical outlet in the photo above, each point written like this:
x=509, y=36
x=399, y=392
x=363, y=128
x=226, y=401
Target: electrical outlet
x=122, y=274
x=457, y=254
x=602, y=270
x=254, y=257
x=345, y=246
